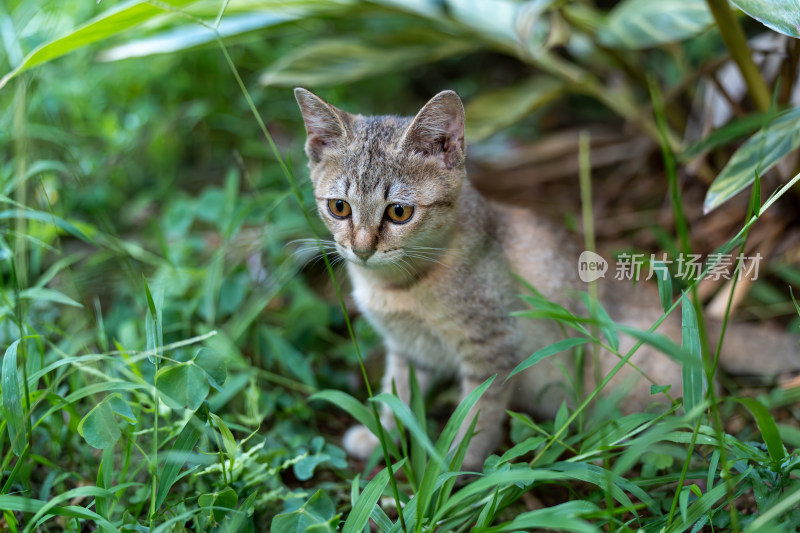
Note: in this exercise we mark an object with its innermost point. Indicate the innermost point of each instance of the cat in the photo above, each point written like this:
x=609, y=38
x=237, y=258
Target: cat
x=432, y=265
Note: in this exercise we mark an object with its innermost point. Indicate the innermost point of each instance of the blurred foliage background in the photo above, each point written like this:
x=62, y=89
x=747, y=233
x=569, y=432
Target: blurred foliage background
x=130, y=150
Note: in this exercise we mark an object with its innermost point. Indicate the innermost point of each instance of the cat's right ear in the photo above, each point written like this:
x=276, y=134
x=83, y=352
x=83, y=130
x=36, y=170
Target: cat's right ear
x=326, y=125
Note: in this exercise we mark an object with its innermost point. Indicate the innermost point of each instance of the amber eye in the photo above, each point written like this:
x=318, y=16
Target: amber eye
x=339, y=208
x=399, y=213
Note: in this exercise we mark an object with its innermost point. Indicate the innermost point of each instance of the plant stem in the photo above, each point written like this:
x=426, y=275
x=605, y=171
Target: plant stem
x=736, y=42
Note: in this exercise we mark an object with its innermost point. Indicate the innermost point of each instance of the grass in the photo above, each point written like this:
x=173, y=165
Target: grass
x=168, y=364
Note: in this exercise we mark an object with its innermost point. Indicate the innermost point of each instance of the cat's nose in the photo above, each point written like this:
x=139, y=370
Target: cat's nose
x=363, y=254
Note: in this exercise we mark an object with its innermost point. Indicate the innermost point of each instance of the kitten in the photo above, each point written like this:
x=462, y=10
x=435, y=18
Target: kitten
x=431, y=264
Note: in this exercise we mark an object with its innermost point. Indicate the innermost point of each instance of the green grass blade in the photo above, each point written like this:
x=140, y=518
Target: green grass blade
x=177, y=457
x=769, y=430
x=693, y=378
x=364, y=504
x=404, y=414
x=12, y=400
x=547, y=351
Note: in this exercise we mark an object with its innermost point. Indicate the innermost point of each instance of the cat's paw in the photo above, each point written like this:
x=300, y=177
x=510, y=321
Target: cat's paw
x=359, y=442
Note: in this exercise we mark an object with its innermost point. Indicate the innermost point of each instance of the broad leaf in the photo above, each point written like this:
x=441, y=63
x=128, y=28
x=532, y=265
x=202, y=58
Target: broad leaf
x=636, y=24
x=332, y=61
x=213, y=365
x=99, y=427
x=108, y=24
x=217, y=503
x=193, y=35
x=760, y=153
x=182, y=385
x=782, y=16
x=492, y=111
x=317, y=511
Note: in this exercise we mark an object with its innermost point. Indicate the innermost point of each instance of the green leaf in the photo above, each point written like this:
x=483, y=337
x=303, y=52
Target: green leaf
x=364, y=504
x=219, y=503
x=99, y=428
x=782, y=16
x=228, y=442
x=213, y=365
x=637, y=24
x=182, y=385
x=547, y=351
x=598, y=312
x=404, y=414
x=343, y=60
x=12, y=400
x=564, y=516
x=152, y=323
x=489, y=112
x=108, y=24
x=178, y=455
x=48, y=295
x=693, y=378
x=768, y=428
x=193, y=35
x=757, y=155
x=664, y=281
x=317, y=511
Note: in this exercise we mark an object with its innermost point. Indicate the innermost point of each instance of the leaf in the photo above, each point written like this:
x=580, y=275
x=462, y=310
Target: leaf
x=152, y=323
x=99, y=428
x=547, y=351
x=219, y=503
x=598, y=312
x=406, y=417
x=365, y=502
x=489, y=112
x=178, y=455
x=317, y=511
x=758, y=154
x=782, y=16
x=108, y=24
x=664, y=281
x=213, y=365
x=48, y=295
x=12, y=400
x=637, y=24
x=342, y=60
x=228, y=442
x=182, y=385
x=693, y=378
x=193, y=35
x=564, y=516
x=768, y=428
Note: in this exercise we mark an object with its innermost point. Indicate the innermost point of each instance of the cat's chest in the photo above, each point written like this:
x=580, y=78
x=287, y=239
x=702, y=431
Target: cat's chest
x=417, y=321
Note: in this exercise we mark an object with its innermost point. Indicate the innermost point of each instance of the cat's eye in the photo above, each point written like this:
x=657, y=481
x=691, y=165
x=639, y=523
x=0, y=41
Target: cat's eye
x=399, y=213
x=339, y=208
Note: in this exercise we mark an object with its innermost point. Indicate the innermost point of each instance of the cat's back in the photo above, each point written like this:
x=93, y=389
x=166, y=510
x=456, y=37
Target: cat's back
x=538, y=250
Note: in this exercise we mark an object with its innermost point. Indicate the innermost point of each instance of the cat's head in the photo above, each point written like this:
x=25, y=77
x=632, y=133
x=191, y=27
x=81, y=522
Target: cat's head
x=386, y=186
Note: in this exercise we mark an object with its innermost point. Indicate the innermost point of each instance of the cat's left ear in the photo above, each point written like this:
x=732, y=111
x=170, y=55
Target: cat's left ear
x=438, y=130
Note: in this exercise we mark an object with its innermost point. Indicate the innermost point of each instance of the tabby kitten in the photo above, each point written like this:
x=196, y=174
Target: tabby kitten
x=431, y=264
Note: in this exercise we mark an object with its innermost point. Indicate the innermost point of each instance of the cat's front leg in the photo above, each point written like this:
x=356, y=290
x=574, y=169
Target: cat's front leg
x=358, y=441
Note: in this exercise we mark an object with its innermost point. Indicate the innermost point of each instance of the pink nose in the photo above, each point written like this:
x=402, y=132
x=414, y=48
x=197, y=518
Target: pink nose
x=363, y=254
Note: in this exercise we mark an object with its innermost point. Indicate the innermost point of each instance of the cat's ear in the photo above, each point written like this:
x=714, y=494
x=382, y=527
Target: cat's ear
x=438, y=130
x=326, y=125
